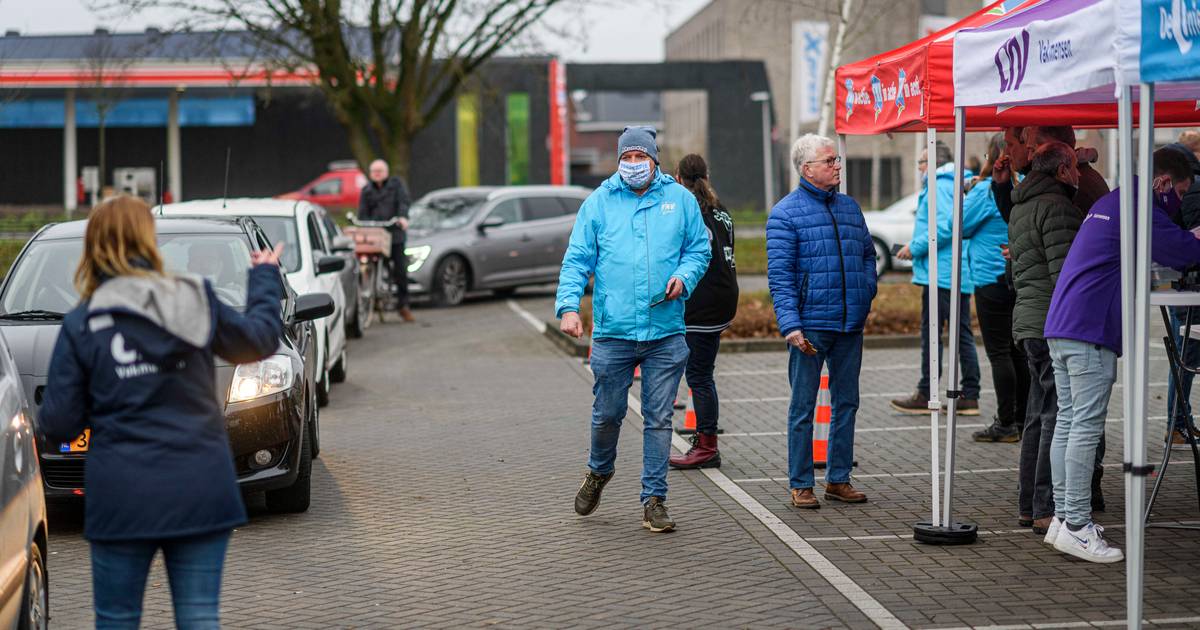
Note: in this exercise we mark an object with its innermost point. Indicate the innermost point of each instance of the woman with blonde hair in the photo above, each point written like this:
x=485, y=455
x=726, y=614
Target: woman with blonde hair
x=134, y=364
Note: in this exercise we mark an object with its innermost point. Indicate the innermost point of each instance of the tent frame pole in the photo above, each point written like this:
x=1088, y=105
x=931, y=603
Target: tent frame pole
x=935, y=334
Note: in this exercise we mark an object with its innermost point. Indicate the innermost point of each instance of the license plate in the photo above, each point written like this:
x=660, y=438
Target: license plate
x=78, y=445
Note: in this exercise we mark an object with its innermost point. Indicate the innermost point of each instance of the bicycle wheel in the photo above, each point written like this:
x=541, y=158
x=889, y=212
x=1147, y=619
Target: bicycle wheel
x=366, y=289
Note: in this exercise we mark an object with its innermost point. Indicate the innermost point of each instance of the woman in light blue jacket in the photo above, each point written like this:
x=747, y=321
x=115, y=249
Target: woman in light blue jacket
x=994, y=300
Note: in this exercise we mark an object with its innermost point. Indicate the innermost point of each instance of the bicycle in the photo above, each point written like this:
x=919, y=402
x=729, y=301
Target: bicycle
x=373, y=248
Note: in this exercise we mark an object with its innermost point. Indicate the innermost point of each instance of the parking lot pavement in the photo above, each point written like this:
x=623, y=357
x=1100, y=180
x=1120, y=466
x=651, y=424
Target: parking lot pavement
x=443, y=498
x=1008, y=578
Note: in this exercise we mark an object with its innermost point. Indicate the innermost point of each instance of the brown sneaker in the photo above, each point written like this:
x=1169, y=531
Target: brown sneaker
x=916, y=404
x=804, y=499
x=1179, y=439
x=968, y=407
x=844, y=492
x=406, y=314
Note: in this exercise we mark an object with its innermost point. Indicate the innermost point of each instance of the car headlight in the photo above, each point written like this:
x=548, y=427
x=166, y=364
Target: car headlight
x=255, y=380
x=417, y=256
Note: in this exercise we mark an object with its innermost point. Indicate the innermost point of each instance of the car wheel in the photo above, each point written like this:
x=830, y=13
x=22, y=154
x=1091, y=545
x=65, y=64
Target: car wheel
x=883, y=257
x=323, y=388
x=314, y=428
x=296, y=497
x=35, y=606
x=450, y=281
x=338, y=373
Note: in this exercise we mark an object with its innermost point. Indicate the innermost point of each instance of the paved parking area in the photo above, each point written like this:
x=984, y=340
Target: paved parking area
x=450, y=458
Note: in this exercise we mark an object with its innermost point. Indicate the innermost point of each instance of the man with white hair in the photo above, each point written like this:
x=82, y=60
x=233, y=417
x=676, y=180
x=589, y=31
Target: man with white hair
x=821, y=271
x=382, y=199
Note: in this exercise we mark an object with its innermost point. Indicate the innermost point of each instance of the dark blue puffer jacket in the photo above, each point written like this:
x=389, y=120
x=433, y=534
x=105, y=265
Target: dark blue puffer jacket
x=820, y=262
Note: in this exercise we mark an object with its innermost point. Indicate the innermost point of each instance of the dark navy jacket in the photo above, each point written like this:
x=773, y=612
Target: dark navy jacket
x=159, y=464
x=820, y=262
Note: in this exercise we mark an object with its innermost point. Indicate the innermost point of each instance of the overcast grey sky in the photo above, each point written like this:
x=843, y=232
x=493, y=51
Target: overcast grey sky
x=615, y=32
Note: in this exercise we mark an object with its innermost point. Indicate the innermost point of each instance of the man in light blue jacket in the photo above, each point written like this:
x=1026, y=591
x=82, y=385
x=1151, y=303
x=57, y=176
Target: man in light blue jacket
x=918, y=252
x=642, y=237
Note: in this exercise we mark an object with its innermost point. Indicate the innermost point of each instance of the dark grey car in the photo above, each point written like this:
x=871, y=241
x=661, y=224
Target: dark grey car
x=467, y=239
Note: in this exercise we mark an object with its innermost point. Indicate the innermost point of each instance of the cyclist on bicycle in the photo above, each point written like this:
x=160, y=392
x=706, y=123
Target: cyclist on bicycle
x=385, y=198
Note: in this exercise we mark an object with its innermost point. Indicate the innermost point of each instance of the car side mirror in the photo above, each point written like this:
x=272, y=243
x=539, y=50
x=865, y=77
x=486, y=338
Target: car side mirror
x=313, y=306
x=343, y=243
x=490, y=223
x=330, y=264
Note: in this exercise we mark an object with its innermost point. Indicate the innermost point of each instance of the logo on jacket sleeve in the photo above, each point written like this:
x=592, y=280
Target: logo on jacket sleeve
x=668, y=207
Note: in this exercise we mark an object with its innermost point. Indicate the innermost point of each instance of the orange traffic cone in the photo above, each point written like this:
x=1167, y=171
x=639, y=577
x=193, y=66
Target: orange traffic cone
x=821, y=418
x=689, y=416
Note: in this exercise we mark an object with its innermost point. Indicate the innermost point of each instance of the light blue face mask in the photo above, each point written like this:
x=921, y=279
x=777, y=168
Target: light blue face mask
x=636, y=174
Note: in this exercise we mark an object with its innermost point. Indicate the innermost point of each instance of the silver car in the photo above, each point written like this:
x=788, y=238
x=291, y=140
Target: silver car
x=468, y=239
x=24, y=583
x=892, y=227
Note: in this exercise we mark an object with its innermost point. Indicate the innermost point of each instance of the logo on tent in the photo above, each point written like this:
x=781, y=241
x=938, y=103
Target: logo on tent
x=849, y=98
x=1012, y=59
x=900, y=94
x=1180, y=24
x=877, y=92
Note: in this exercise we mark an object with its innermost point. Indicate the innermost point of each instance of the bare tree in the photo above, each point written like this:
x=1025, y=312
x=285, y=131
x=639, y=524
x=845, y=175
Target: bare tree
x=387, y=68
x=104, y=64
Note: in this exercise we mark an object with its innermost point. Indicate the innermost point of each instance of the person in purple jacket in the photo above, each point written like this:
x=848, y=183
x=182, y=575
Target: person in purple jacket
x=1083, y=330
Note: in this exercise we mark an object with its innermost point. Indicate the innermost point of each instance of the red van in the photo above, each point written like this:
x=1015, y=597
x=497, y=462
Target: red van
x=337, y=189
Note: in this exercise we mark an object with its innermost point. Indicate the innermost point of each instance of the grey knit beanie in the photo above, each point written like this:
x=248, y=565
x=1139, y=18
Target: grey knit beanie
x=638, y=139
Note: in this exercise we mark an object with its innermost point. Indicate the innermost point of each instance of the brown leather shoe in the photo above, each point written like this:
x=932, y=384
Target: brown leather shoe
x=968, y=407
x=804, y=499
x=406, y=314
x=843, y=492
x=1042, y=525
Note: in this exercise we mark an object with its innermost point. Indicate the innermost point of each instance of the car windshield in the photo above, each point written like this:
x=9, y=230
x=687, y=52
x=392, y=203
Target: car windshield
x=443, y=212
x=44, y=278
x=283, y=230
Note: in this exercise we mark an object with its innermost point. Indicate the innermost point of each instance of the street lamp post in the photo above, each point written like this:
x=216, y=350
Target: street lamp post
x=768, y=181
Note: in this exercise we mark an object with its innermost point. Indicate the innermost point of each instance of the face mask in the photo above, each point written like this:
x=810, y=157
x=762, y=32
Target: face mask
x=1170, y=201
x=635, y=174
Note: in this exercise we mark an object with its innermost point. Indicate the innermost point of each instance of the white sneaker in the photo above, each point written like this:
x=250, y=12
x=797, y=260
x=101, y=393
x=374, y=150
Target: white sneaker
x=1087, y=544
x=1052, y=531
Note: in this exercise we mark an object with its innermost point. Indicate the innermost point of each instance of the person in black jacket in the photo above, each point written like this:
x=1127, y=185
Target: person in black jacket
x=385, y=198
x=134, y=363
x=709, y=311
x=1186, y=214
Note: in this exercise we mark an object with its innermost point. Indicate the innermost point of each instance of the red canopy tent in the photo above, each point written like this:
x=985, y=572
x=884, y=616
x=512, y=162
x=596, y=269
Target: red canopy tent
x=911, y=89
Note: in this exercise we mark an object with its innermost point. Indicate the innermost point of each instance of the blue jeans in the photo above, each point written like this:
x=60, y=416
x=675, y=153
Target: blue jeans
x=1084, y=374
x=613, y=362
x=1191, y=358
x=194, y=566
x=968, y=357
x=843, y=352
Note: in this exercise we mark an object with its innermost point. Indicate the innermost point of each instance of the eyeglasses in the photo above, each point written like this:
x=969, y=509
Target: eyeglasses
x=837, y=159
x=922, y=161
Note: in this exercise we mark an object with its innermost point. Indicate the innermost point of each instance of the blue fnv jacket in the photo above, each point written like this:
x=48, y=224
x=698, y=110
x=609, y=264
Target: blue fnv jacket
x=820, y=262
x=135, y=364
x=634, y=246
x=944, y=176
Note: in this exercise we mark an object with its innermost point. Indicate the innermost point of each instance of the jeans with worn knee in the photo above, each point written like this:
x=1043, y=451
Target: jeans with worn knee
x=613, y=362
x=1084, y=374
x=194, y=565
x=843, y=353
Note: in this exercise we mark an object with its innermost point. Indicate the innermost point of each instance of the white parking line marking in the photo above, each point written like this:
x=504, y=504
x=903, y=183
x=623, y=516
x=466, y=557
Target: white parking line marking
x=854, y=593
x=925, y=473
x=537, y=324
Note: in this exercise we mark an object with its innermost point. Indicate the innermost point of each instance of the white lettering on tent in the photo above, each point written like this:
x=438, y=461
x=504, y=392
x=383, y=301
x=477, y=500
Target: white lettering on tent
x=1180, y=24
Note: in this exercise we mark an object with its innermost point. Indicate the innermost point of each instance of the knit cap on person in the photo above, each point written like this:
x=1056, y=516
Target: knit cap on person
x=638, y=139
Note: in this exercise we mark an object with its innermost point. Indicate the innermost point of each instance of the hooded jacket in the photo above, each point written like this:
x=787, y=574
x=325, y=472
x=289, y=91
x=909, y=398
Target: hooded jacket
x=1087, y=300
x=920, y=240
x=1189, y=213
x=634, y=245
x=820, y=262
x=135, y=364
x=984, y=231
x=1041, y=228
